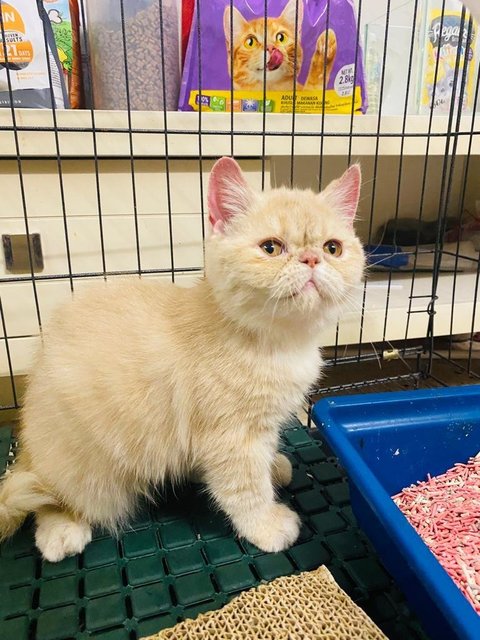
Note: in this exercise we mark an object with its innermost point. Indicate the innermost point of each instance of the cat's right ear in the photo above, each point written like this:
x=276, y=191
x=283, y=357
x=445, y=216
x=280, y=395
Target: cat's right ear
x=228, y=193
x=233, y=22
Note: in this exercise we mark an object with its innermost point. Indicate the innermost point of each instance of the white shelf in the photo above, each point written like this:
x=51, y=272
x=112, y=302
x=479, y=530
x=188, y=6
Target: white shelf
x=36, y=136
x=377, y=293
x=52, y=294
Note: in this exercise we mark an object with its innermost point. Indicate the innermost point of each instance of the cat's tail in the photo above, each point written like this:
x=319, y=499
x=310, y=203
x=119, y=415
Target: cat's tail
x=21, y=492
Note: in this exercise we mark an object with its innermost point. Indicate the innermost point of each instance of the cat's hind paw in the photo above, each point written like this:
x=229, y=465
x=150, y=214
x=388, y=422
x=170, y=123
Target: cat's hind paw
x=282, y=470
x=62, y=539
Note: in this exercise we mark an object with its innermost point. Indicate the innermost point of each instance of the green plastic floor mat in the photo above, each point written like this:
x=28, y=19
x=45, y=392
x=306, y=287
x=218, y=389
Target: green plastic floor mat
x=181, y=558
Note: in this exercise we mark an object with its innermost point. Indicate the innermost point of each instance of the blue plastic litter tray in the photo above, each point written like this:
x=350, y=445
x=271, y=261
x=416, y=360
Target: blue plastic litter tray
x=387, y=441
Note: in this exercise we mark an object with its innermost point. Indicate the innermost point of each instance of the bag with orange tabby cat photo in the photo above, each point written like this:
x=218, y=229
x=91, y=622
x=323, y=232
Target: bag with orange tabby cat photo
x=309, y=47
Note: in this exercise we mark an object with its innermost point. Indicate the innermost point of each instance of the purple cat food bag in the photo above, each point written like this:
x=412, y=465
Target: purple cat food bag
x=301, y=56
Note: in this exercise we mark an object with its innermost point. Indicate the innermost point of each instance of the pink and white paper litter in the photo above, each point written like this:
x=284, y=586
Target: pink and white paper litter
x=445, y=511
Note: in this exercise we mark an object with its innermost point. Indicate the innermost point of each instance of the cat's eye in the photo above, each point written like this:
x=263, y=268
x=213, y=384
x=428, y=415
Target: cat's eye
x=281, y=37
x=250, y=42
x=272, y=247
x=333, y=248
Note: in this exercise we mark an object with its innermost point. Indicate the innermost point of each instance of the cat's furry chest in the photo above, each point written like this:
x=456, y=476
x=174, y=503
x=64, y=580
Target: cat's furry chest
x=267, y=385
x=297, y=368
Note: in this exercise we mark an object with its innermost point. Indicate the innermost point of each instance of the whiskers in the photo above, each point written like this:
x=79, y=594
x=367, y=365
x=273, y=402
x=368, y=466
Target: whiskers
x=349, y=300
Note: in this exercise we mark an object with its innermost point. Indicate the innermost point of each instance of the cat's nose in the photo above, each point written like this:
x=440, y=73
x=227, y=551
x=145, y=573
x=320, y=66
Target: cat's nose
x=310, y=258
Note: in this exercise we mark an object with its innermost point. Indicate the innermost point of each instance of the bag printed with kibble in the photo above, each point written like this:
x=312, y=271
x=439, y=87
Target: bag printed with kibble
x=136, y=44
x=30, y=72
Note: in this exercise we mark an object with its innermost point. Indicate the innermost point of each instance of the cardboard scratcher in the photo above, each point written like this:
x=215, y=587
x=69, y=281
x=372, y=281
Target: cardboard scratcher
x=308, y=605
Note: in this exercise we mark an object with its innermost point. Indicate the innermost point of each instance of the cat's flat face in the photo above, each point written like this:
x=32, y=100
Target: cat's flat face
x=290, y=255
x=249, y=47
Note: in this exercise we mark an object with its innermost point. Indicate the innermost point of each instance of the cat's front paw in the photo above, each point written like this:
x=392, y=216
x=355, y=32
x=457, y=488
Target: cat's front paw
x=276, y=531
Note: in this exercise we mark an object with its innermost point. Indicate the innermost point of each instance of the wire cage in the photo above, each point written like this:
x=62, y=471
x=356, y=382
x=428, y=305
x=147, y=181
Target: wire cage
x=102, y=193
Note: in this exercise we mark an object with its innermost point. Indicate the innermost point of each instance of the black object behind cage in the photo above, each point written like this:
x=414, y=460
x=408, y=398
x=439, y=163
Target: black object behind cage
x=279, y=145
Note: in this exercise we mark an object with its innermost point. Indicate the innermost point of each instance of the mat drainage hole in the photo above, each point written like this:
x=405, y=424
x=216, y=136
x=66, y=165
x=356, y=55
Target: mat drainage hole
x=32, y=630
x=38, y=568
x=82, y=619
x=165, y=566
x=36, y=598
x=215, y=583
x=81, y=588
x=253, y=569
x=173, y=595
x=128, y=606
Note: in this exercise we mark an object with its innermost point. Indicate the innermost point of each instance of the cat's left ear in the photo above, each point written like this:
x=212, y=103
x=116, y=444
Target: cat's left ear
x=342, y=195
x=228, y=193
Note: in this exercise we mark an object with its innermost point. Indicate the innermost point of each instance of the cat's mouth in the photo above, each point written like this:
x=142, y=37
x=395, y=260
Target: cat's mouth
x=308, y=287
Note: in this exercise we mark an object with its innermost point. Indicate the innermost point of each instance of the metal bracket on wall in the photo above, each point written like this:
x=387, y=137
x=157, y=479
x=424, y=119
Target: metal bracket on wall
x=18, y=257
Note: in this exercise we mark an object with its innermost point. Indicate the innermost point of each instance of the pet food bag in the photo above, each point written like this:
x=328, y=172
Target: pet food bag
x=25, y=58
x=65, y=21
x=440, y=41
x=309, y=46
x=125, y=37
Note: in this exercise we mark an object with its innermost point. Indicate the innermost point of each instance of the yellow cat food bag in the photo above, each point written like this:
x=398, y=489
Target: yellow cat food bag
x=303, y=52
x=30, y=72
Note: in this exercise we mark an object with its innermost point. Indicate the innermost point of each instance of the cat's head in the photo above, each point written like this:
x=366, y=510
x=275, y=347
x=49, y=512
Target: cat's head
x=249, y=46
x=286, y=257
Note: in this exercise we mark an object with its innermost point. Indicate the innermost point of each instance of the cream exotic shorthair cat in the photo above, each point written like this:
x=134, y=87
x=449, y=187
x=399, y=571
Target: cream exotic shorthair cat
x=249, y=57
x=138, y=381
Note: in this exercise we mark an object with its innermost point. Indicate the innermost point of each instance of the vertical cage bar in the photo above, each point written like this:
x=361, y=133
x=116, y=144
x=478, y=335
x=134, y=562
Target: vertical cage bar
x=324, y=88
x=20, y=176
x=94, y=141
x=232, y=88
x=445, y=191
x=422, y=196
x=352, y=112
x=294, y=100
x=264, y=111
x=375, y=168
x=200, y=113
x=130, y=136
x=9, y=357
x=167, y=157
x=464, y=182
x=350, y=143
x=400, y=166
x=58, y=159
